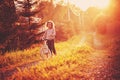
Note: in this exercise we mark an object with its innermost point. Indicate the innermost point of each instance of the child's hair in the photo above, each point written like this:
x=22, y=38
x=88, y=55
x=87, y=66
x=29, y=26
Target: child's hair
x=50, y=21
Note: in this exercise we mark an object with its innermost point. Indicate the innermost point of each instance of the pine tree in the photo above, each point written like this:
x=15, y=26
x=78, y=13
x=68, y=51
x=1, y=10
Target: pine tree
x=7, y=19
x=27, y=11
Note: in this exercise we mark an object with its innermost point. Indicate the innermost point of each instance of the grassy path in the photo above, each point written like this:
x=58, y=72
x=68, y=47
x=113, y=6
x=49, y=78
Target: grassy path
x=102, y=66
x=73, y=63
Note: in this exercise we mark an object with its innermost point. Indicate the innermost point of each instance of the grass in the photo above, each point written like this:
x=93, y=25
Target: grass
x=10, y=59
x=25, y=56
x=19, y=57
x=70, y=63
x=61, y=67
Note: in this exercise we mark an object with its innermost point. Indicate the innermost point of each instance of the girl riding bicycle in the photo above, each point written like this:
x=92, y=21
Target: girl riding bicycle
x=49, y=36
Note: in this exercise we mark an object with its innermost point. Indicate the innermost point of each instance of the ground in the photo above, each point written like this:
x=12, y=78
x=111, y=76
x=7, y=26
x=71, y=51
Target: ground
x=100, y=64
x=106, y=67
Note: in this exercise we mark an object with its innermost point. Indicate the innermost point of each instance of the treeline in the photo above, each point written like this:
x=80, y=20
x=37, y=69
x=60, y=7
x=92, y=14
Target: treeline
x=21, y=22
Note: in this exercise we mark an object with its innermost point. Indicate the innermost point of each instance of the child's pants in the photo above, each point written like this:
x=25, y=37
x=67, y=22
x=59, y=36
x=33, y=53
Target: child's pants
x=51, y=46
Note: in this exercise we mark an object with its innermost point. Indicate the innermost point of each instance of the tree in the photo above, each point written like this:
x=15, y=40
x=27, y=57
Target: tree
x=27, y=6
x=7, y=20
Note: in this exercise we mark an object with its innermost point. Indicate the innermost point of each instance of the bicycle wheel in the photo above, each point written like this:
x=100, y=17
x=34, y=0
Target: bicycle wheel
x=45, y=55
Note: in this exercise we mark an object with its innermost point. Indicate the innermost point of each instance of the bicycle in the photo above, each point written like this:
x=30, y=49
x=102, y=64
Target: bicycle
x=45, y=52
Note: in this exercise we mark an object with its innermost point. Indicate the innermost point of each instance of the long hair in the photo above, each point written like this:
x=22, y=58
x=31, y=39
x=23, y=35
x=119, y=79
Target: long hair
x=50, y=21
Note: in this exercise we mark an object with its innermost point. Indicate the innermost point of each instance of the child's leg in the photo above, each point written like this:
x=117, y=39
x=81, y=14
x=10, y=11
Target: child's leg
x=53, y=47
x=49, y=45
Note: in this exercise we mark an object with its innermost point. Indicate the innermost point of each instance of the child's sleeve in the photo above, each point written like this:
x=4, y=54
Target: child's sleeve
x=54, y=32
x=44, y=35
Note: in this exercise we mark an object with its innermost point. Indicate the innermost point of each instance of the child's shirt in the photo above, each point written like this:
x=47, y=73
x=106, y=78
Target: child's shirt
x=50, y=34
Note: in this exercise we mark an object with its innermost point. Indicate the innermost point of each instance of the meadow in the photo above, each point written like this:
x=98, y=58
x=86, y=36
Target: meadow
x=69, y=59
x=76, y=59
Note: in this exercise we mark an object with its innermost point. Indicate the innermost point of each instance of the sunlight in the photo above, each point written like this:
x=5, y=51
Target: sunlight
x=85, y=4
x=101, y=3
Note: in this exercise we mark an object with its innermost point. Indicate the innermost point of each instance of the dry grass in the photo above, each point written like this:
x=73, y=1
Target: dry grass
x=19, y=57
x=70, y=63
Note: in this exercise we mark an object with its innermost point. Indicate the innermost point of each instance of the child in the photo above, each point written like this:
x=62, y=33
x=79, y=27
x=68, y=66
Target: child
x=49, y=35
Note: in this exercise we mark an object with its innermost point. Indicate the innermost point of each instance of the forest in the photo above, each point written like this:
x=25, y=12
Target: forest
x=22, y=22
x=87, y=39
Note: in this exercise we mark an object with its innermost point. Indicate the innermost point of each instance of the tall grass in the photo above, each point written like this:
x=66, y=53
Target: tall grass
x=13, y=58
x=18, y=57
x=69, y=64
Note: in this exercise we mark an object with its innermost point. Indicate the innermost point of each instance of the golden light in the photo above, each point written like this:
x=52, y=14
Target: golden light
x=85, y=4
x=101, y=3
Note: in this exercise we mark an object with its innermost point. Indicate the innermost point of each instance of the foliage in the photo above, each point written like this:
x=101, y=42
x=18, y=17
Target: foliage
x=7, y=12
x=84, y=49
x=7, y=19
x=22, y=34
x=19, y=34
x=26, y=7
x=65, y=31
x=19, y=57
x=68, y=64
x=63, y=67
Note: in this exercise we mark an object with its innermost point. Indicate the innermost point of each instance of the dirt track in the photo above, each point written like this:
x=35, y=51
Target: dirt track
x=107, y=65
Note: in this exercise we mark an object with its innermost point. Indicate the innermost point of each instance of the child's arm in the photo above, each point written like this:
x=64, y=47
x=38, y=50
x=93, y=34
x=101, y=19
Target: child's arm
x=44, y=35
x=54, y=32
